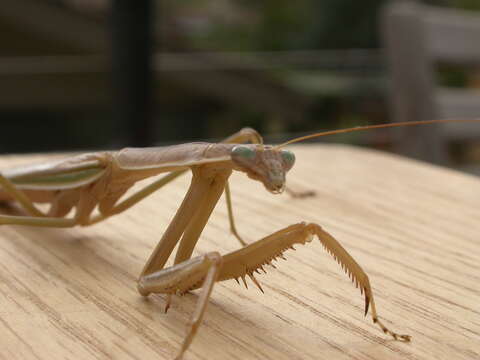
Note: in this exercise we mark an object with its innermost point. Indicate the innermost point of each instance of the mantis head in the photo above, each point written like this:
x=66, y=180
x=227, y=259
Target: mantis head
x=264, y=163
x=269, y=164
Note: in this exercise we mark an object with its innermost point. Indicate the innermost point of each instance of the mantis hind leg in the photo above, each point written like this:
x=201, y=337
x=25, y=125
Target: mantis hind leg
x=82, y=216
x=18, y=195
x=37, y=221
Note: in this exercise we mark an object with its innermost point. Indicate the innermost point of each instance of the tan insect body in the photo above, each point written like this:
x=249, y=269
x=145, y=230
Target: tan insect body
x=99, y=181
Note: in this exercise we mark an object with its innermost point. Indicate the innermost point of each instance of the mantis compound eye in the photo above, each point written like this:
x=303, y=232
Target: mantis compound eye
x=288, y=158
x=243, y=152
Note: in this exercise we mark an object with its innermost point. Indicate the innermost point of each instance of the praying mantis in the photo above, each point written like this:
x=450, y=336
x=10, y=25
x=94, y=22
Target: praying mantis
x=101, y=180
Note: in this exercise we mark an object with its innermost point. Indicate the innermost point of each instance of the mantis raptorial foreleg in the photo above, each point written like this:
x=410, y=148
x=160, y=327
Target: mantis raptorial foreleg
x=214, y=184
x=202, y=271
x=195, y=194
x=354, y=271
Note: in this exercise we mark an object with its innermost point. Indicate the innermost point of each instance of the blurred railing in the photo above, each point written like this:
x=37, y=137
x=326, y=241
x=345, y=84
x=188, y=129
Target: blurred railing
x=244, y=80
x=341, y=62
x=349, y=60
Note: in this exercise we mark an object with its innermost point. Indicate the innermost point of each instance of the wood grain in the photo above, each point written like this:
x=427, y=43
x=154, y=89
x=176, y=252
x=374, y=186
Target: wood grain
x=71, y=294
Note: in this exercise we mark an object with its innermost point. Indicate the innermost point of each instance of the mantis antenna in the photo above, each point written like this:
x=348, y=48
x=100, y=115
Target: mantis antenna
x=368, y=127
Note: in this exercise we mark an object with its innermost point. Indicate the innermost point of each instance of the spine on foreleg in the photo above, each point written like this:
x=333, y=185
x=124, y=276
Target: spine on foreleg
x=252, y=258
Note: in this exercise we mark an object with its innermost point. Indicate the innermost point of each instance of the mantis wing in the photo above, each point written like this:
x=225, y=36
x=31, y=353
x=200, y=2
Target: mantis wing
x=61, y=174
x=84, y=169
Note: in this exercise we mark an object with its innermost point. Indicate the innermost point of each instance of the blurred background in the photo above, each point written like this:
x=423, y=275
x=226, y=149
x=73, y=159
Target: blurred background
x=99, y=74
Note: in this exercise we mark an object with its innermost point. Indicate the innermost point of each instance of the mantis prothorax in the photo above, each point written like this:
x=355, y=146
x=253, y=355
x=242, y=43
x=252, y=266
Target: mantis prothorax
x=99, y=180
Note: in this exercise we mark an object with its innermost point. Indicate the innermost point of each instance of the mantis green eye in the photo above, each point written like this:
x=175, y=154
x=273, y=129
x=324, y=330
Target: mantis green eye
x=243, y=152
x=288, y=157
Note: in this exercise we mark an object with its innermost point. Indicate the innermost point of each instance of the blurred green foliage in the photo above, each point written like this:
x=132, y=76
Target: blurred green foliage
x=288, y=25
x=302, y=24
x=461, y=4
x=452, y=76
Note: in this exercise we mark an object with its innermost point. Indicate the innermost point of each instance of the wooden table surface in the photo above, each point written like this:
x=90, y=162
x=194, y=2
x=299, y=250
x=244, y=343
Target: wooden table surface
x=414, y=228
